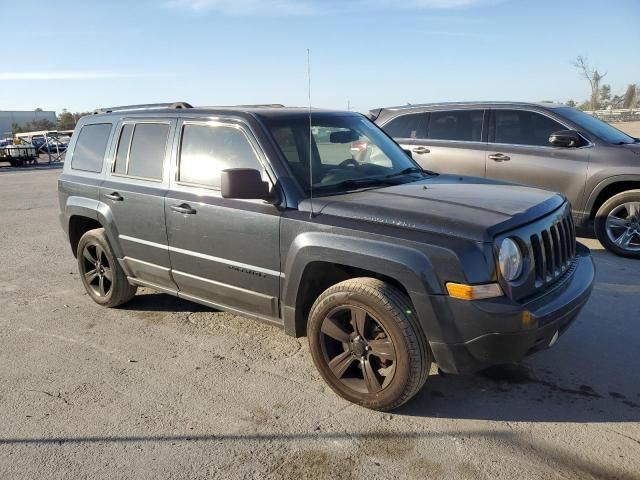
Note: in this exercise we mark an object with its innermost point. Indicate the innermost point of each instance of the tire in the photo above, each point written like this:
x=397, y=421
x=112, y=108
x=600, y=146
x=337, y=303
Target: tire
x=101, y=274
x=619, y=219
x=365, y=329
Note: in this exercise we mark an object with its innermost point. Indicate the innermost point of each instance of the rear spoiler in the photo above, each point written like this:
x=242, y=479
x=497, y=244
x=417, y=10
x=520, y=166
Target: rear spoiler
x=374, y=114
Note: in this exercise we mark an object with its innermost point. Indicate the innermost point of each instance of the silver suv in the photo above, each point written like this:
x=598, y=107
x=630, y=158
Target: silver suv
x=596, y=166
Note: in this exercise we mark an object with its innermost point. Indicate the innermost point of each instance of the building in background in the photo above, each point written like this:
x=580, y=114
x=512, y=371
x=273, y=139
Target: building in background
x=8, y=118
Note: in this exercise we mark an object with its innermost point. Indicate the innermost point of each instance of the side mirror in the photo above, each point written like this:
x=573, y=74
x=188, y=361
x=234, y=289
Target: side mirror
x=408, y=152
x=245, y=183
x=565, y=138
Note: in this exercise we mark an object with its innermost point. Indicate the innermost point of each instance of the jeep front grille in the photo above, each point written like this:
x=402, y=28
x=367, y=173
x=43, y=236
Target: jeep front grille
x=553, y=250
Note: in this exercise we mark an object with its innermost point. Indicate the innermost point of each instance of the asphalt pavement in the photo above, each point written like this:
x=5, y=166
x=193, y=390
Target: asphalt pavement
x=164, y=388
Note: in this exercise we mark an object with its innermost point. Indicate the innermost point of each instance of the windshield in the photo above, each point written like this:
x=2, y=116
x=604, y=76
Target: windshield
x=347, y=151
x=590, y=123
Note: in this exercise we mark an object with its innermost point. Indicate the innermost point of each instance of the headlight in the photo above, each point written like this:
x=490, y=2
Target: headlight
x=510, y=260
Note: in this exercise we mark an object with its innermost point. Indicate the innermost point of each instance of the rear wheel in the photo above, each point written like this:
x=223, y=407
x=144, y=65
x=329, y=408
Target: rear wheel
x=367, y=344
x=101, y=274
x=618, y=224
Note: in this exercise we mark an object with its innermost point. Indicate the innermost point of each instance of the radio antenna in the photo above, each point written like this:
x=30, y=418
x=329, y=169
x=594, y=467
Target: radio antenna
x=310, y=135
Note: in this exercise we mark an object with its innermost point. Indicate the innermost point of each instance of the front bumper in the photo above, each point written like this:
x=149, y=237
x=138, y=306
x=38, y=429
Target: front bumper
x=494, y=331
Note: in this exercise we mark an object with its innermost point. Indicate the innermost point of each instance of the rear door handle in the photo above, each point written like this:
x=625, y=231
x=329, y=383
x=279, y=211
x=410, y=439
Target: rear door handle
x=421, y=150
x=184, y=209
x=499, y=157
x=115, y=196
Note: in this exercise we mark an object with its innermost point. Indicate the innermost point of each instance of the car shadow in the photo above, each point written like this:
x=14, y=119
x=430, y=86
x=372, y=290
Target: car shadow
x=162, y=302
x=521, y=393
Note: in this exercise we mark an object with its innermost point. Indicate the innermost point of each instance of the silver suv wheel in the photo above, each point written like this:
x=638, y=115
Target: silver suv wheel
x=623, y=226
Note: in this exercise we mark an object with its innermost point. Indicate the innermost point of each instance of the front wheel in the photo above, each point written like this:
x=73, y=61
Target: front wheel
x=367, y=344
x=618, y=224
x=101, y=274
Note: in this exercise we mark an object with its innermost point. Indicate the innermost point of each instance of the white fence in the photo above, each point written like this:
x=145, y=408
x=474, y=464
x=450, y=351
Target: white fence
x=617, y=115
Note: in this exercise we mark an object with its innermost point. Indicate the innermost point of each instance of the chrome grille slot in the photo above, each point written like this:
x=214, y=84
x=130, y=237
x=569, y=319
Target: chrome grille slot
x=550, y=261
x=538, y=257
x=552, y=250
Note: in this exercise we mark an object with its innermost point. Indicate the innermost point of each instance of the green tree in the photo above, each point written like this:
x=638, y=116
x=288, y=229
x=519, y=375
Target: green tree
x=67, y=120
x=33, y=126
x=617, y=101
x=570, y=103
x=584, y=106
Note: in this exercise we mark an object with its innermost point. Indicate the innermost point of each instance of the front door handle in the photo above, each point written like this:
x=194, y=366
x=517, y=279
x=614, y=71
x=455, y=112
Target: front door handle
x=499, y=157
x=184, y=209
x=115, y=196
x=421, y=150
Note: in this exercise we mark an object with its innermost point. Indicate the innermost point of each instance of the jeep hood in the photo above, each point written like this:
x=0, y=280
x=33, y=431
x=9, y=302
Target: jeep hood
x=469, y=207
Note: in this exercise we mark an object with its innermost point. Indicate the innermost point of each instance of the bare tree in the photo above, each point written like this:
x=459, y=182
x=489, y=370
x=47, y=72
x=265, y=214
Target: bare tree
x=592, y=76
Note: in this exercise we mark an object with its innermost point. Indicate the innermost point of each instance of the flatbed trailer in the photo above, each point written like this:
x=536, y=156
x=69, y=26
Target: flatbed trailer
x=18, y=155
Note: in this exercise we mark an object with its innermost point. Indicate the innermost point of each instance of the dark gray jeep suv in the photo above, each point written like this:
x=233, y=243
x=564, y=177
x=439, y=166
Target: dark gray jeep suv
x=266, y=212
x=545, y=145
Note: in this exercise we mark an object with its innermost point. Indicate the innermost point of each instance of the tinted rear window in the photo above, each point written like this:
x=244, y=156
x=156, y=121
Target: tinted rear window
x=407, y=126
x=460, y=125
x=91, y=146
x=147, y=152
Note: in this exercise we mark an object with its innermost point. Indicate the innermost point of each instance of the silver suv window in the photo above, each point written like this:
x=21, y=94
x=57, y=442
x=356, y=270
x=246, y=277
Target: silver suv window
x=522, y=127
x=206, y=150
x=90, y=148
x=141, y=150
x=457, y=125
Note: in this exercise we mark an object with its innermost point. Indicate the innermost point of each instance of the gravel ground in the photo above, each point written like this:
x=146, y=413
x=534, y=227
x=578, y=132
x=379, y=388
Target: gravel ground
x=631, y=128
x=166, y=388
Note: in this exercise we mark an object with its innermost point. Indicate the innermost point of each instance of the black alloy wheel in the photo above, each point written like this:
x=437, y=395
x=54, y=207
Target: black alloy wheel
x=358, y=349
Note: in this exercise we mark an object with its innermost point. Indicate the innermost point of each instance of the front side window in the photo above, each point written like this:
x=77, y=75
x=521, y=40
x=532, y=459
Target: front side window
x=340, y=153
x=206, y=150
x=605, y=131
x=141, y=150
x=412, y=125
x=459, y=125
x=521, y=127
x=90, y=148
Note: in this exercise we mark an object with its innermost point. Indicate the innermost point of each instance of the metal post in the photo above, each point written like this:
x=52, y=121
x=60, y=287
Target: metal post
x=46, y=142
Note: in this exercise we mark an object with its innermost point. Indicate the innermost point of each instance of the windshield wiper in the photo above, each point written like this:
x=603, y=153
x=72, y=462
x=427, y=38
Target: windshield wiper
x=355, y=183
x=409, y=170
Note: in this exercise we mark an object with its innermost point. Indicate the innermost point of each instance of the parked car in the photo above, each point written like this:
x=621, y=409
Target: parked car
x=52, y=144
x=545, y=145
x=384, y=266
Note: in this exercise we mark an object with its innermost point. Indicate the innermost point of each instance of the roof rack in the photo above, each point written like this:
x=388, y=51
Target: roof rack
x=263, y=105
x=145, y=106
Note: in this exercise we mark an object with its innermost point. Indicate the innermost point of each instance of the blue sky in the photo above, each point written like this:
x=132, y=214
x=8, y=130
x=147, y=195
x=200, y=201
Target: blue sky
x=85, y=54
